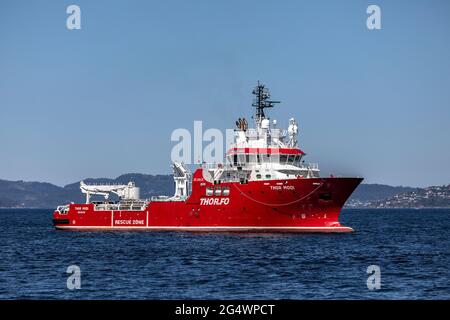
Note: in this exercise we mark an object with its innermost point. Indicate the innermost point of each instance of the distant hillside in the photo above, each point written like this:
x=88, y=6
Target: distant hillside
x=373, y=192
x=435, y=197
x=30, y=194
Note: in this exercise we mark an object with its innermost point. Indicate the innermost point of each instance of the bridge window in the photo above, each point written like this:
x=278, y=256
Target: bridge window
x=226, y=191
x=235, y=159
x=217, y=191
x=241, y=159
x=209, y=191
x=265, y=158
x=297, y=160
x=291, y=159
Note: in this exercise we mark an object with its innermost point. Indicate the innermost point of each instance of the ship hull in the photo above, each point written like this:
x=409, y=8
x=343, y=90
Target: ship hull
x=293, y=205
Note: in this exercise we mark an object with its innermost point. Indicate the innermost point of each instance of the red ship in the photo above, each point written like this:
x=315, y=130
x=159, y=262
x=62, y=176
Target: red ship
x=264, y=186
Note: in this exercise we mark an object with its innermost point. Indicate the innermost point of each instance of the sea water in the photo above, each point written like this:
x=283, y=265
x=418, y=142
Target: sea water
x=410, y=247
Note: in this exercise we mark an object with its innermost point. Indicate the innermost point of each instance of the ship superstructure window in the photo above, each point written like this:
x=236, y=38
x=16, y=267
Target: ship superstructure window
x=258, y=176
x=265, y=158
x=297, y=161
x=268, y=176
x=217, y=191
x=289, y=159
x=241, y=159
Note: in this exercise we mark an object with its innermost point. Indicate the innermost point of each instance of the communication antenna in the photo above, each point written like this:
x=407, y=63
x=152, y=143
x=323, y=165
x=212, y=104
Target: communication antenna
x=261, y=101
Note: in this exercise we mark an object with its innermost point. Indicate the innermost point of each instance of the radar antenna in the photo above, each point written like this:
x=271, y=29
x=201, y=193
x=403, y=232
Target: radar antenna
x=260, y=102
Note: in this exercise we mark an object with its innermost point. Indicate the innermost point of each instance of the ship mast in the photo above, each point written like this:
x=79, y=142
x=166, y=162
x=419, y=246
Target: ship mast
x=260, y=102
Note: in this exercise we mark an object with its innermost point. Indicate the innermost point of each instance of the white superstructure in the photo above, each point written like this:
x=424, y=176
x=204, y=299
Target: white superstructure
x=264, y=152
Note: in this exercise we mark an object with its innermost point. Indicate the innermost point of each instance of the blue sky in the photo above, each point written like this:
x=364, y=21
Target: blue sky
x=103, y=100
